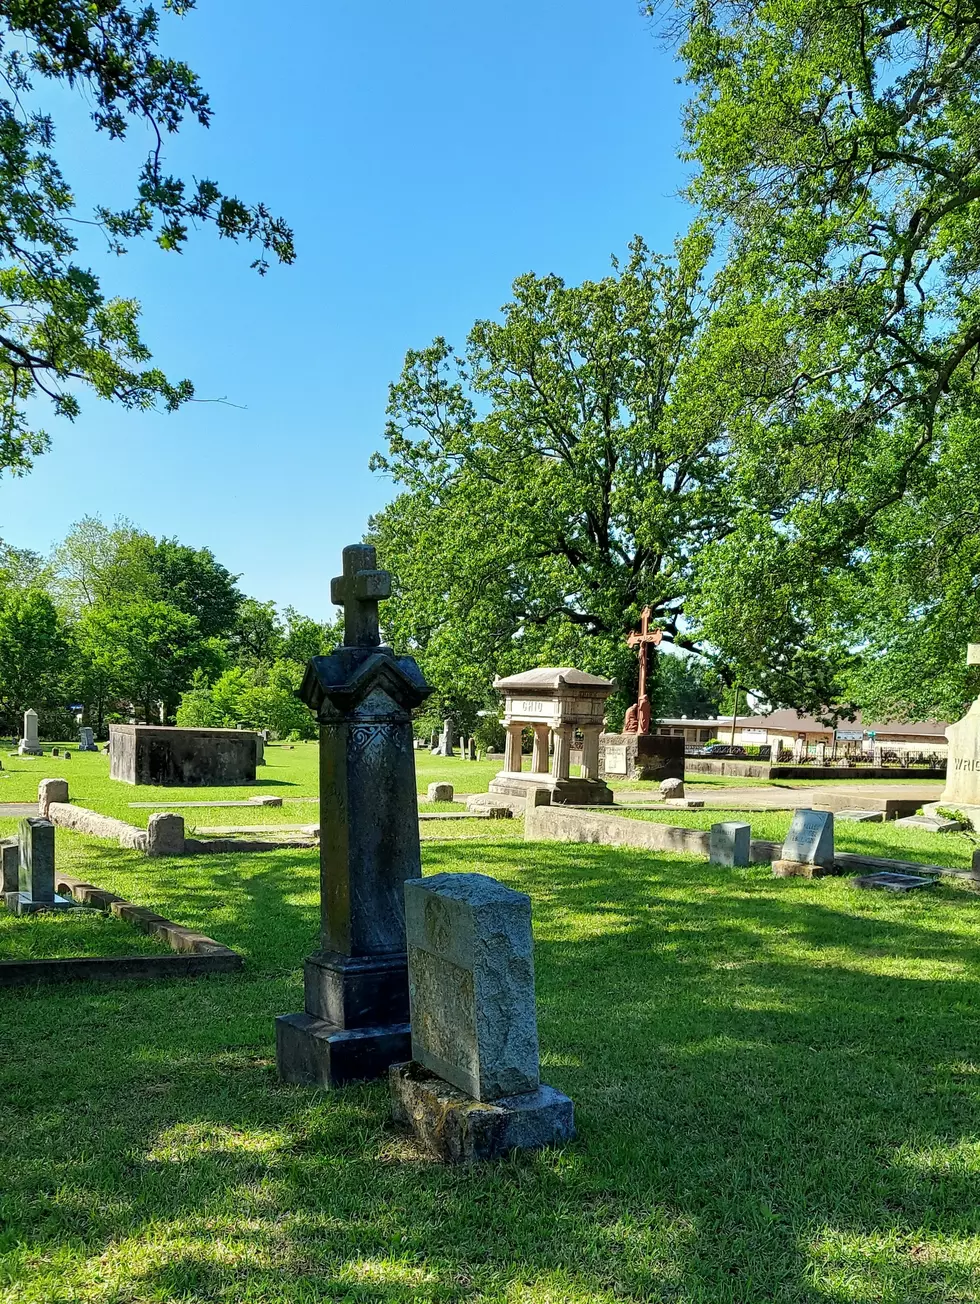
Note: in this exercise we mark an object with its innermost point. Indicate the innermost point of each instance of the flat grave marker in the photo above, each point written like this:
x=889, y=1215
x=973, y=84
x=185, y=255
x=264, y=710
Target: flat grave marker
x=893, y=882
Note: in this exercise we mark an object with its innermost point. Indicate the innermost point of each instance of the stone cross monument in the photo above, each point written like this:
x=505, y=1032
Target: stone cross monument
x=356, y=1021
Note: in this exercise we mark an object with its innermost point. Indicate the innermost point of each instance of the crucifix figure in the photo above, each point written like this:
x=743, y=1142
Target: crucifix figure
x=638, y=716
x=358, y=591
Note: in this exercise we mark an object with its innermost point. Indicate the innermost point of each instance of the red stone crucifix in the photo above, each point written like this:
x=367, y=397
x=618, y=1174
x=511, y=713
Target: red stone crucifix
x=638, y=716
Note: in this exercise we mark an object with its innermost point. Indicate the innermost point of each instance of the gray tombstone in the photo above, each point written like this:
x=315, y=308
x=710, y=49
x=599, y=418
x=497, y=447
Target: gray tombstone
x=811, y=838
x=729, y=844
x=471, y=983
x=10, y=865
x=355, y=1022
x=474, y=1023
x=86, y=739
x=447, y=739
x=29, y=745
x=471, y=750
x=36, y=870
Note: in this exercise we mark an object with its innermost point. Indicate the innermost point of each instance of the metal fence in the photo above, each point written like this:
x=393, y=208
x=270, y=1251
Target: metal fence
x=840, y=754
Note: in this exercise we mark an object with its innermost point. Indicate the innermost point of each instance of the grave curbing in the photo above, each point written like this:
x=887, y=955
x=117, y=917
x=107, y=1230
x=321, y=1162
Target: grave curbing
x=566, y=824
x=195, y=954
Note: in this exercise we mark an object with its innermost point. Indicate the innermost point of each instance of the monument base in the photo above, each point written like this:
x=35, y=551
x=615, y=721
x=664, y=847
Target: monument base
x=457, y=1129
x=22, y=903
x=357, y=991
x=313, y=1053
x=25, y=749
x=561, y=792
x=648, y=757
x=802, y=869
x=972, y=813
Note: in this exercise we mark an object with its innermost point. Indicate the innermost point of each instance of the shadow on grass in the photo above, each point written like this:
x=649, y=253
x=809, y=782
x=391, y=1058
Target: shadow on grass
x=775, y=1084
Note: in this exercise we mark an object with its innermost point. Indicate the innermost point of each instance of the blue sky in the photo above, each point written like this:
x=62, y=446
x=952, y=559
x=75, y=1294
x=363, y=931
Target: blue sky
x=426, y=154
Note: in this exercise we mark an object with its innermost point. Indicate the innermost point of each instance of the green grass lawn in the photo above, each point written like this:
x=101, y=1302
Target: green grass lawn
x=290, y=773
x=65, y=935
x=777, y=1087
x=950, y=849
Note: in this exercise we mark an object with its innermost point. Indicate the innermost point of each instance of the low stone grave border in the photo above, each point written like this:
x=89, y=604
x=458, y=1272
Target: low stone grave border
x=164, y=835
x=568, y=824
x=578, y=824
x=195, y=954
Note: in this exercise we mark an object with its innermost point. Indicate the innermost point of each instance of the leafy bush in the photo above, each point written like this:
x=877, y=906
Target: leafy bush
x=260, y=698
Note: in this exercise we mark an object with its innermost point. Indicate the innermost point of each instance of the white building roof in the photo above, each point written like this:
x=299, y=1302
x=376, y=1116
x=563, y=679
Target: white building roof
x=788, y=721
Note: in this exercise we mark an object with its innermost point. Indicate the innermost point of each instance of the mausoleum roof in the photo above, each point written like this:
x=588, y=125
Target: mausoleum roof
x=551, y=677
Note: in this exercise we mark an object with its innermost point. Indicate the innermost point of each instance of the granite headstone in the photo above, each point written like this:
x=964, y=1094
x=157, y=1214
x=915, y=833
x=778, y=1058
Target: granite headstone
x=474, y=1024
x=729, y=844
x=36, y=870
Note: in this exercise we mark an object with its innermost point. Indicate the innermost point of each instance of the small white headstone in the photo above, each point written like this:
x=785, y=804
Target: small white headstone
x=728, y=844
x=29, y=744
x=615, y=760
x=811, y=838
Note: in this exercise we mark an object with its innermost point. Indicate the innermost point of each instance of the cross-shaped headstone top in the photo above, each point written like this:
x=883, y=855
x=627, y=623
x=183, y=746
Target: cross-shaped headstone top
x=359, y=590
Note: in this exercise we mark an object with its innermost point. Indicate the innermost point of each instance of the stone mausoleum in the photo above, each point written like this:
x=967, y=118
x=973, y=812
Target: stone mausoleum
x=183, y=758
x=554, y=703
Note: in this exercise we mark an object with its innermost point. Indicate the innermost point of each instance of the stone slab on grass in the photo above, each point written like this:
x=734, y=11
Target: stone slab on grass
x=228, y=830
x=219, y=846
x=931, y=823
x=80, y=820
x=192, y=805
x=893, y=882
x=861, y=816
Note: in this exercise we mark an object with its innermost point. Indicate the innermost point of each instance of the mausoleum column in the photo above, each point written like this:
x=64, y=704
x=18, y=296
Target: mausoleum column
x=563, y=751
x=539, y=757
x=590, y=751
x=512, y=754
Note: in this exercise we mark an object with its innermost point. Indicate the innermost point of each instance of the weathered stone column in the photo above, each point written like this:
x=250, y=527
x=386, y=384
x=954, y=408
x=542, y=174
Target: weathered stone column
x=356, y=1019
x=563, y=751
x=539, y=757
x=513, y=752
x=29, y=745
x=590, y=751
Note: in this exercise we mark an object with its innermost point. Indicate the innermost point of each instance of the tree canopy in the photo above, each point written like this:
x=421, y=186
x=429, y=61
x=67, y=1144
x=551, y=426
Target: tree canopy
x=129, y=625
x=558, y=476
x=837, y=160
x=58, y=330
